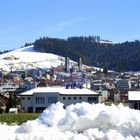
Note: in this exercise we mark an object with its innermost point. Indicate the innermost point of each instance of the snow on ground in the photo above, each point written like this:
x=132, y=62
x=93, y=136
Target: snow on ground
x=78, y=122
x=108, y=42
x=28, y=58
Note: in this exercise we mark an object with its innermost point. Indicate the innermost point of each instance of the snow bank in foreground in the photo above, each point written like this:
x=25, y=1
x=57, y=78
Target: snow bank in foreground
x=78, y=122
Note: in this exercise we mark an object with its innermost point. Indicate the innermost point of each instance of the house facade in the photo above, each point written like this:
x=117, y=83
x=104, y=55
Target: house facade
x=36, y=100
x=122, y=85
x=8, y=87
x=134, y=99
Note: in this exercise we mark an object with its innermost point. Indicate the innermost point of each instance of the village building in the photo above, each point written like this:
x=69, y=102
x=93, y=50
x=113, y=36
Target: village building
x=36, y=100
x=8, y=87
x=134, y=99
x=122, y=85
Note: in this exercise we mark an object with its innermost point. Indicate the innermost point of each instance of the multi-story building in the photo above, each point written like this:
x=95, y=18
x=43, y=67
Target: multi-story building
x=8, y=87
x=36, y=100
x=122, y=85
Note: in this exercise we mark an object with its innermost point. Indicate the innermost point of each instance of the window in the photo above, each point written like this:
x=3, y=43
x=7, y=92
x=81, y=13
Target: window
x=92, y=99
x=29, y=98
x=52, y=100
x=80, y=98
x=64, y=98
x=69, y=98
x=136, y=105
x=23, y=98
x=30, y=109
x=40, y=100
x=39, y=109
x=74, y=98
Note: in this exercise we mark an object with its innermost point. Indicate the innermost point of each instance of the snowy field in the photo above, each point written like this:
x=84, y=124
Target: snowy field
x=78, y=122
x=28, y=58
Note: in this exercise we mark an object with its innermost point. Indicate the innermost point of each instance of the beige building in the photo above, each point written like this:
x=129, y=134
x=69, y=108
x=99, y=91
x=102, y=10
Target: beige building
x=36, y=100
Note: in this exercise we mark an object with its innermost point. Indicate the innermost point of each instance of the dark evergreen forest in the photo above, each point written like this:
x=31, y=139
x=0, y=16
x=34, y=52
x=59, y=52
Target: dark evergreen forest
x=118, y=56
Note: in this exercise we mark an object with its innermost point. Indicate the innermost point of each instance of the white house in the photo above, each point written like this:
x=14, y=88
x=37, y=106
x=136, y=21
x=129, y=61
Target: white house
x=36, y=100
x=134, y=99
x=8, y=87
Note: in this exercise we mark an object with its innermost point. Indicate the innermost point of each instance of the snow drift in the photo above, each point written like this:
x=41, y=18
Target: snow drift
x=78, y=122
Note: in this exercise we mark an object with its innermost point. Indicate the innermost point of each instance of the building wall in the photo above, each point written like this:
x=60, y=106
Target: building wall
x=39, y=101
x=73, y=99
x=47, y=99
x=26, y=101
x=134, y=105
x=122, y=84
x=8, y=87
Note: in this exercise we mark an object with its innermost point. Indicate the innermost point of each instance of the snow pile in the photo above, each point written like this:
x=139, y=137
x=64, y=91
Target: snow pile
x=78, y=122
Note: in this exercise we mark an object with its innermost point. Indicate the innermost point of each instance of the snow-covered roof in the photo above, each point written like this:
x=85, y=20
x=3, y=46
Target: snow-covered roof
x=134, y=95
x=60, y=90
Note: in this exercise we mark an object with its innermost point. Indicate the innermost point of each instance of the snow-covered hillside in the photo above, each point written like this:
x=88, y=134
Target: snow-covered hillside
x=28, y=58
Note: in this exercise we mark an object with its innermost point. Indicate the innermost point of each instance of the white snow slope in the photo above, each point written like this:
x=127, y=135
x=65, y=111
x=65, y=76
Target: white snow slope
x=28, y=58
x=78, y=122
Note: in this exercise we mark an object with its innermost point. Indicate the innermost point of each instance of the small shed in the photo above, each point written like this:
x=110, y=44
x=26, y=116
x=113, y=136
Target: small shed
x=13, y=110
